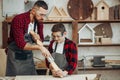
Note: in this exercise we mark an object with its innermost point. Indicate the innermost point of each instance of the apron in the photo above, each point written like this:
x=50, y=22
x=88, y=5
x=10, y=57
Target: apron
x=20, y=62
x=60, y=59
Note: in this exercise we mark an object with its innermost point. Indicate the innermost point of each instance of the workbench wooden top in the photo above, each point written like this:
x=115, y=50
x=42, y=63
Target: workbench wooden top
x=50, y=77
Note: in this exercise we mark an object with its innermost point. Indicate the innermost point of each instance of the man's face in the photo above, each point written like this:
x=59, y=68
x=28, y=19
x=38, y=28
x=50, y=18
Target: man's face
x=40, y=14
x=58, y=37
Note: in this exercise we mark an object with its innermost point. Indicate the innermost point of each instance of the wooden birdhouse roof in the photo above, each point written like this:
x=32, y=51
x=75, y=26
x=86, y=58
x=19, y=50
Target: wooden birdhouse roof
x=55, y=12
x=63, y=12
x=86, y=26
x=102, y=2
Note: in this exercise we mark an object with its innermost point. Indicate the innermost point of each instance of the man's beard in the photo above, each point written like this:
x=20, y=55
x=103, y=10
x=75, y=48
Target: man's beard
x=40, y=20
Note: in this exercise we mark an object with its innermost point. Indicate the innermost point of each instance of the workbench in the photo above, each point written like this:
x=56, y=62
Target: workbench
x=50, y=77
x=70, y=77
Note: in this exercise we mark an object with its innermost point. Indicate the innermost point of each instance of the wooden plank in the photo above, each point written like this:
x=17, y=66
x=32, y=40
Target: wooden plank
x=85, y=40
x=112, y=61
x=4, y=34
x=114, y=12
x=106, y=40
x=75, y=38
x=111, y=13
x=7, y=78
x=50, y=58
x=70, y=77
x=2, y=62
x=75, y=31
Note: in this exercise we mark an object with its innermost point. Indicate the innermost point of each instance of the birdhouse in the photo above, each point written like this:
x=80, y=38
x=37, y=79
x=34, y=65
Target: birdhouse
x=102, y=10
x=86, y=35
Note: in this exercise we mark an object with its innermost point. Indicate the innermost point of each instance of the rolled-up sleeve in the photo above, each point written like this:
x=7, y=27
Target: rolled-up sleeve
x=17, y=27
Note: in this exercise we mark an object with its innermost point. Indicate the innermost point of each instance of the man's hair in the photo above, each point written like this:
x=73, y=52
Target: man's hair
x=41, y=3
x=59, y=27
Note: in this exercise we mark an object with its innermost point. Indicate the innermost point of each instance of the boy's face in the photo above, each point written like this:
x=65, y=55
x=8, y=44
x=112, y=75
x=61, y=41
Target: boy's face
x=58, y=37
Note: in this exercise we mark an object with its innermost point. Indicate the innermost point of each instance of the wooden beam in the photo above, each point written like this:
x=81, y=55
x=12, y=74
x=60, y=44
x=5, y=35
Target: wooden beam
x=4, y=34
x=75, y=31
x=50, y=58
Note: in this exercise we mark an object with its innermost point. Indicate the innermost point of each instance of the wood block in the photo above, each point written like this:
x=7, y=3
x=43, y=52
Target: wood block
x=111, y=13
x=113, y=61
x=69, y=77
x=85, y=40
x=106, y=40
x=98, y=39
x=2, y=62
x=40, y=64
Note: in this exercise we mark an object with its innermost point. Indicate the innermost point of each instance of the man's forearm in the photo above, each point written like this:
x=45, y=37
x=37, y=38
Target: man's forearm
x=29, y=46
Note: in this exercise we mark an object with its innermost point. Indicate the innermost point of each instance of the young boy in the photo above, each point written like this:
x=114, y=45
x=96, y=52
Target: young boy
x=63, y=50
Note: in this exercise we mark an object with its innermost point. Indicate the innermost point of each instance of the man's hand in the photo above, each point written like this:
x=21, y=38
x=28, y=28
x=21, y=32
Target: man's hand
x=39, y=43
x=35, y=36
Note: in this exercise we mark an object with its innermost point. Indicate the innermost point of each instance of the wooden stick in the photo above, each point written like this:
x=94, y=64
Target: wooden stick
x=50, y=58
x=53, y=64
x=112, y=61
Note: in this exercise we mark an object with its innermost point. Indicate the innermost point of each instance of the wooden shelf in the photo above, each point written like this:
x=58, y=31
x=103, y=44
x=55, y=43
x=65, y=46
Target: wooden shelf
x=98, y=68
x=74, y=30
x=80, y=21
x=94, y=45
x=68, y=21
x=98, y=21
x=85, y=21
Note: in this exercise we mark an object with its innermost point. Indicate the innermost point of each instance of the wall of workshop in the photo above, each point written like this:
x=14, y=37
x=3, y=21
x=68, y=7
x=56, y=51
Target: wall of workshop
x=82, y=51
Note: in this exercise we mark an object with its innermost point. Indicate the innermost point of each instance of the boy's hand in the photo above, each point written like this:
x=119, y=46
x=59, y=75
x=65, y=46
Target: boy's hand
x=59, y=73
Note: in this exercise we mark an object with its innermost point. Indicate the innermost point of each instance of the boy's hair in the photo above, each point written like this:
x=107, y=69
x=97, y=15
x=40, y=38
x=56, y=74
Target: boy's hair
x=59, y=27
x=41, y=3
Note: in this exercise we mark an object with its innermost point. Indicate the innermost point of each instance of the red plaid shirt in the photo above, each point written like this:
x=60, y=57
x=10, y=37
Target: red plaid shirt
x=19, y=27
x=70, y=53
